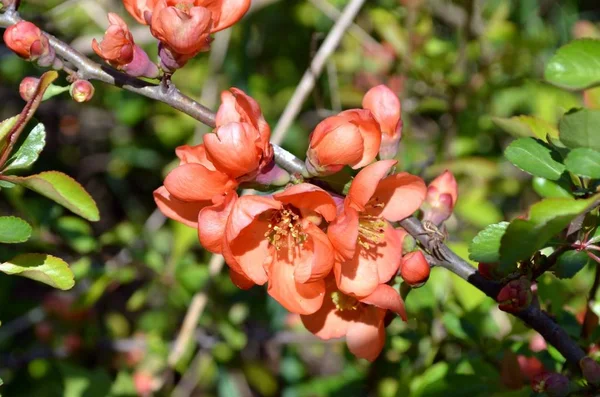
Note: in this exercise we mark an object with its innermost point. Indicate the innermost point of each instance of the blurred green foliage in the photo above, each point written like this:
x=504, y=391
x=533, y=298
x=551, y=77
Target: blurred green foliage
x=463, y=69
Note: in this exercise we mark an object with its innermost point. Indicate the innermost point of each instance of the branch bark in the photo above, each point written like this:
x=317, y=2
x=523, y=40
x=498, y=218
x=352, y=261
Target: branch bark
x=88, y=69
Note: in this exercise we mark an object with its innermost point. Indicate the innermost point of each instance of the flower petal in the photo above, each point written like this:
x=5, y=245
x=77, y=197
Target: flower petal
x=180, y=211
x=240, y=280
x=370, y=132
x=296, y=297
x=226, y=12
x=327, y=323
x=343, y=233
x=365, y=338
x=194, y=154
x=316, y=256
x=308, y=196
x=386, y=297
x=402, y=194
x=358, y=276
x=365, y=183
x=385, y=106
x=194, y=182
x=232, y=149
x=212, y=221
x=390, y=253
x=335, y=141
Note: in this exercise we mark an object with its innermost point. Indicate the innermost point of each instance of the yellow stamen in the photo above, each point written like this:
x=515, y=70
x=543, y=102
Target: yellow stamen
x=344, y=302
x=285, y=229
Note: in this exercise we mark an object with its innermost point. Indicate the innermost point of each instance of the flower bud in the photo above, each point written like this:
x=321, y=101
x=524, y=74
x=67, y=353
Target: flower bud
x=27, y=87
x=515, y=296
x=272, y=175
x=551, y=383
x=117, y=44
x=145, y=384
x=351, y=138
x=591, y=370
x=141, y=65
x=442, y=194
x=385, y=107
x=27, y=41
x=81, y=91
x=414, y=269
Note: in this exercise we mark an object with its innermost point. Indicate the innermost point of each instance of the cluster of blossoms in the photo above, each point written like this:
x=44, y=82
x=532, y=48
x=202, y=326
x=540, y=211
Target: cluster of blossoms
x=326, y=257
x=182, y=27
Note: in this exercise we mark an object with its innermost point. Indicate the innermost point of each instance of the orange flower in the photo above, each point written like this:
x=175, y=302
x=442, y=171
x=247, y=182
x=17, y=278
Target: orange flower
x=27, y=41
x=442, y=194
x=141, y=10
x=350, y=138
x=369, y=248
x=278, y=239
x=361, y=321
x=240, y=145
x=184, y=28
x=191, y=186
x=117, y=45
x=385, y=107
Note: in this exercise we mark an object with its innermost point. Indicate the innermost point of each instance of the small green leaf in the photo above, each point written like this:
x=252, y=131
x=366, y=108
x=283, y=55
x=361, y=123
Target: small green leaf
x=44, y=268
x=533, y=157
x=570, y=263
x=62, y=189
x=28, y=152
x=579, y=128
x=549, y=189
x=575, y=65
x=485, y=247
x=547, y=218
x=584, y=162
x=527, y=126
x=14, y=230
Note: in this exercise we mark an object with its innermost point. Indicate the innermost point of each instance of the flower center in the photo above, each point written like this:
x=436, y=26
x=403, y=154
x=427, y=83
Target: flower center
x=344, y=302
x=185, y=7
x=285, y=229
x=371, y=227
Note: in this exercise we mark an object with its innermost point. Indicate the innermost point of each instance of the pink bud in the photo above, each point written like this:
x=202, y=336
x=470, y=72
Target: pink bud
x=385, y=107
x=551, y=383
x=442, y=194
x=272, y=175
x=117, y=44
x=81, y=91
x=515, y=296
x=591, y=370
x=29, y=42
x=414, y=269
x=141, y=65
x=27, y=87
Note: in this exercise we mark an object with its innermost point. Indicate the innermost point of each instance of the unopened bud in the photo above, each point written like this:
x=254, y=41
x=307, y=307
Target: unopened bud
x=414, y=269
x=29, y=42
x=409, y=244
x=515, y=296
x=590, y=370
x=273, y=175
x=141, y=65
x=442, y=194
x=551, y=383
x=81, y=91
x=27, y=87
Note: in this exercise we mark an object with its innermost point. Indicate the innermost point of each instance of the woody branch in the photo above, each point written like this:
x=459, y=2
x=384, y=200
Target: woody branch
x=87, y=69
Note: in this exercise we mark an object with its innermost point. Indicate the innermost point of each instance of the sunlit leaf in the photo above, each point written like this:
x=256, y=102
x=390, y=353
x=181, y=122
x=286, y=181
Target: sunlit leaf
x=584, y=162
x=527, y=126
x=534, y=158
x=44, y=268
x=28, y=152
x=579, y=128
x=575, y=65
x=62, y=189
x=485, y=247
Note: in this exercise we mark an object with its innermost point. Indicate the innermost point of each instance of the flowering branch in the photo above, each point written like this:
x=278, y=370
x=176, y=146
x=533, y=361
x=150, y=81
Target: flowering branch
x=444, y=257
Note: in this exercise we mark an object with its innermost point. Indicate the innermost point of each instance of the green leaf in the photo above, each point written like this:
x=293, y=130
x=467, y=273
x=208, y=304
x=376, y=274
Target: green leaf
x=549, y=189
x=579, y=128
x=62, y=189
x=546, y=219
x=14, y=230
x=28, y=152
x=44, y=268
x=533, y=157
x=584, y=162
x=570, y=263
x=575, y=65
x=527, y=126
x=485, y=247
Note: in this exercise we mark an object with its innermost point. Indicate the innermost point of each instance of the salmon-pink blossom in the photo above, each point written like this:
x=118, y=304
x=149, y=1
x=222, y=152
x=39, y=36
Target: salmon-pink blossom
x=385, y=107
